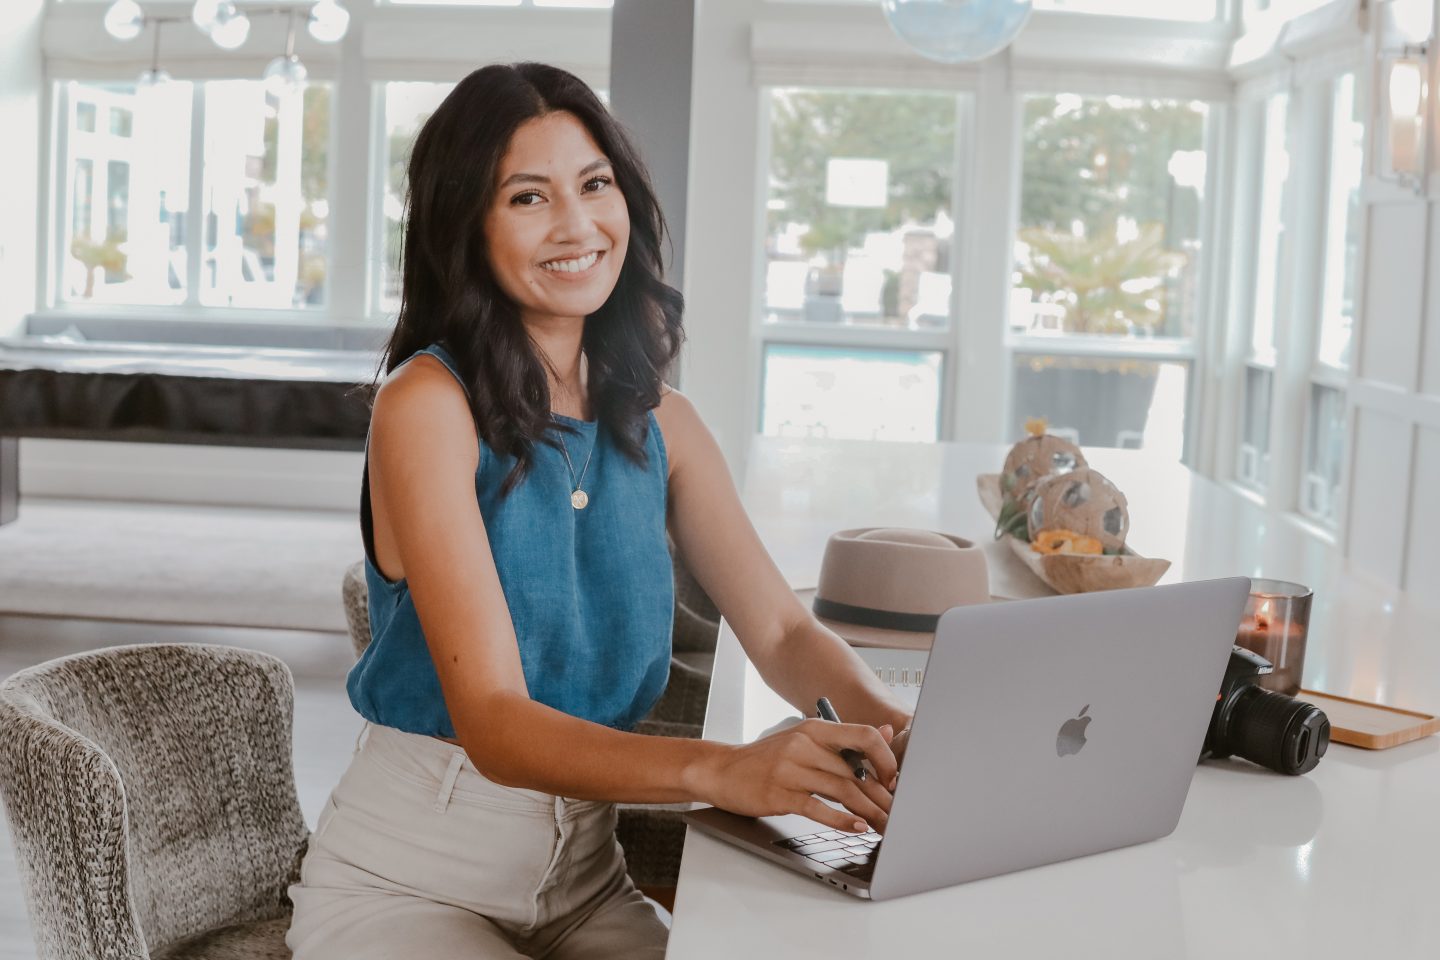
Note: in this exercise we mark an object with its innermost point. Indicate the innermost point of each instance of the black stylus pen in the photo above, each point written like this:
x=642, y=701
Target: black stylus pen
x=852, y=757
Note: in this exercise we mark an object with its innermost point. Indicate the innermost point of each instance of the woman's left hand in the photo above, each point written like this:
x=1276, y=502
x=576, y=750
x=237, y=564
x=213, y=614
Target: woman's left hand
x=898, y=741
x=898, y=745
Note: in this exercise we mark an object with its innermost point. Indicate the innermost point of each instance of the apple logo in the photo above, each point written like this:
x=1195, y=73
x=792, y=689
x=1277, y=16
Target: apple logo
x=1072, y=734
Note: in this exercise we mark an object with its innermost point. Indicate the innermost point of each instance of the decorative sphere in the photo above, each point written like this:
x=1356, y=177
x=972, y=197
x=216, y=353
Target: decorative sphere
x=956, y=31
x=1083, y=501
x=1032, y=460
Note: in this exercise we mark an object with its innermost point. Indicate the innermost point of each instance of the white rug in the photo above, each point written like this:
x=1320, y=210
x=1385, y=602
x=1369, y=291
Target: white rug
x=165, y=563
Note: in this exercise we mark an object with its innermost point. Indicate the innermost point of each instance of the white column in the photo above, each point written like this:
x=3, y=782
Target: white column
x=722, y=231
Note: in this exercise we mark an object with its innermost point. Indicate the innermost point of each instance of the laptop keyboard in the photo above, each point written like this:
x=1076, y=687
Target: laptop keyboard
x=852, y=853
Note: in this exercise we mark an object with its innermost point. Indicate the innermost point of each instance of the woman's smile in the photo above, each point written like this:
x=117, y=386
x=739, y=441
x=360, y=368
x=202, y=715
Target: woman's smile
x=573, y=269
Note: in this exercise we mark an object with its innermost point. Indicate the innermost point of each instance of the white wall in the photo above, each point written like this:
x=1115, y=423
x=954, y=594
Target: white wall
x=1393, y=516
x=20, y=85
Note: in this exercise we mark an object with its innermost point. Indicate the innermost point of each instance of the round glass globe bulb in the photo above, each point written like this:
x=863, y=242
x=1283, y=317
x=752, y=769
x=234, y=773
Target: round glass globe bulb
x=203, y=14
x=124, y=20
x=284, y=75
x=231, y=27
x=328, y=21
x=957, y=31
x=154, y=77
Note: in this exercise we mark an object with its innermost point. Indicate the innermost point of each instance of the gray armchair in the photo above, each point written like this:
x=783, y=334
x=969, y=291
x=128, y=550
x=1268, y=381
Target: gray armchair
x=652, y=834
x=152, y=802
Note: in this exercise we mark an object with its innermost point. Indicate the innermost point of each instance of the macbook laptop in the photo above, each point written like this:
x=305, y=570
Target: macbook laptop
x=1044, y=730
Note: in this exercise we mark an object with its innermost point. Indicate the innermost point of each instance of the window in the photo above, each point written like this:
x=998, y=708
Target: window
x=1168, y=10
x=858, y=227
x=258, y=238
x=858, y=262
x=1193, y=10
x=598, y=4
x=128, y=193
x=1324, y=450
x=1342, y=224
x=1279, y=9
x=1107, y=267
x=1252, y=465
x=816, y=391
x=407, y=106
x=266, y=196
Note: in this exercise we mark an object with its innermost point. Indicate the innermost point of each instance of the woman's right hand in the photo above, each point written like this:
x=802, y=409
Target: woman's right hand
x=779, y=774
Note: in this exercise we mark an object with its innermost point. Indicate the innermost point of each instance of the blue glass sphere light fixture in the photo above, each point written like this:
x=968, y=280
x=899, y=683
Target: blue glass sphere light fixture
x=957, y=31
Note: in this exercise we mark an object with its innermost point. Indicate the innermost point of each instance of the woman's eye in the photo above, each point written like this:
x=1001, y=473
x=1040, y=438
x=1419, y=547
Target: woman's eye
x=524, y=199
x=602, y=181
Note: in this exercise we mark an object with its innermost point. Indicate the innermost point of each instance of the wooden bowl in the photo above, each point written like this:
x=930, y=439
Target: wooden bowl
x=1074, y=573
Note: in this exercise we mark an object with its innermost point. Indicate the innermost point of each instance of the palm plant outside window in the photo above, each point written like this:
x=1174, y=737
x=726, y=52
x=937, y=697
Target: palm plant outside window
x=1107, y=267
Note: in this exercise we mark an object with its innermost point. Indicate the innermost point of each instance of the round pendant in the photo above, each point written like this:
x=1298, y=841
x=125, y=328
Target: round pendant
x=579, y=499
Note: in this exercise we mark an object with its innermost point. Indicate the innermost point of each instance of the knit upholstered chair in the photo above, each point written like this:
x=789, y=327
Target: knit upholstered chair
x=152, y=802
x=652, y=834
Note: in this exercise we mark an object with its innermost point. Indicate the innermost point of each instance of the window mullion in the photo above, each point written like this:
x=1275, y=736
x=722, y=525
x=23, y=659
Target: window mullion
x=195, y=227
x=960, y=246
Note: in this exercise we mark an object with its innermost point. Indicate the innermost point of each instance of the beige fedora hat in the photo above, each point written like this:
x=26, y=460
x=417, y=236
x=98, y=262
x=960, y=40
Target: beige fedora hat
x=888, y=586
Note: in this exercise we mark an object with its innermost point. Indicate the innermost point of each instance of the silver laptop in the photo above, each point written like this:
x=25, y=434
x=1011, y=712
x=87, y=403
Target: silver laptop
x=1045, y=730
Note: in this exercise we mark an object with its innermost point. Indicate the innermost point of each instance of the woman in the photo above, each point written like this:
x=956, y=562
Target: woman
x=528, y=463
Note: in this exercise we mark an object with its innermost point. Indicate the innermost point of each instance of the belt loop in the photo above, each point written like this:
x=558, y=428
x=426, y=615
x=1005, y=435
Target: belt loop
x=442, y=799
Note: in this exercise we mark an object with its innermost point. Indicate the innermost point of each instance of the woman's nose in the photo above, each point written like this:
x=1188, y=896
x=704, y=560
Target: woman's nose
x=572, y=221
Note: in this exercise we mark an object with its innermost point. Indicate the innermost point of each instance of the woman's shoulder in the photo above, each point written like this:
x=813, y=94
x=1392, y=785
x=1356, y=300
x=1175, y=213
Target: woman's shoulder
x=680, y=425
x=421, y=402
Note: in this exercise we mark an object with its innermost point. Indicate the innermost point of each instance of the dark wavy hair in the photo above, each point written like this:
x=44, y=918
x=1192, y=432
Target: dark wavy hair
x=450, y=294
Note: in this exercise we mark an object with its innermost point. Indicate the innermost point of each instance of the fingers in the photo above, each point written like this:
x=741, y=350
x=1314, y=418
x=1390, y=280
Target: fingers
x=821, y=812
x=856, y=736
x=829, y=763
x=846, y=791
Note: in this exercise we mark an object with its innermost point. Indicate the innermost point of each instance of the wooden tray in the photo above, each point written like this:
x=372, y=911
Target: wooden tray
x=1072, y=573
x=1370, y=725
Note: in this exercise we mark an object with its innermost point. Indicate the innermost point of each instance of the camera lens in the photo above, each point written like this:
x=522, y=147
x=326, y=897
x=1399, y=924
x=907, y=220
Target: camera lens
x=1279, y=732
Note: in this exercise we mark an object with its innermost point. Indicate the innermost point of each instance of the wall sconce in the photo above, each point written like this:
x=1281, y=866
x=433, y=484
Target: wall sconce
x=1405, y=155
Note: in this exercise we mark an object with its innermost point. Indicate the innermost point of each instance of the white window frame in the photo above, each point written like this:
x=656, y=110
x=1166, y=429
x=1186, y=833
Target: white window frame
x=849, y=45
x=947, y=341
x=1304, y=58
x=1190, y=351
x=395, y=42
x=1321, y=374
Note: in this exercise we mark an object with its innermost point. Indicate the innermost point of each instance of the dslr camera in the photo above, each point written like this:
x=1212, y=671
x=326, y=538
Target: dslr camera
x=1264, y=726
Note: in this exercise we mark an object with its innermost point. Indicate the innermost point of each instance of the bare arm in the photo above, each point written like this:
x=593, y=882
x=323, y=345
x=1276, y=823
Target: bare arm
x=799, y=658
x=424, y=459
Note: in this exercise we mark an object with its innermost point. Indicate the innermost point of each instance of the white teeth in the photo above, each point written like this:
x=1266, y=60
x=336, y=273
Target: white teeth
x=572, y=266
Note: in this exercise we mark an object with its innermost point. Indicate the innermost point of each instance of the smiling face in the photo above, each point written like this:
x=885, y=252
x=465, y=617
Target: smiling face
x=558, y=228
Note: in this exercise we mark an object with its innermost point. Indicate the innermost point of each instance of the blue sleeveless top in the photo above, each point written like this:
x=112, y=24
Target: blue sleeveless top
x=591, y=592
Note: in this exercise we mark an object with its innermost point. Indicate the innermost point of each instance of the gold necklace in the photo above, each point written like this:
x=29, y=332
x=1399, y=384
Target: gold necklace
x=578, y=498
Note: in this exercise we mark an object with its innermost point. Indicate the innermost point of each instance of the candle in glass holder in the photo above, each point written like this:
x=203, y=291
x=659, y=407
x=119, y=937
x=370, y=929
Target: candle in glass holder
x=1277, y=618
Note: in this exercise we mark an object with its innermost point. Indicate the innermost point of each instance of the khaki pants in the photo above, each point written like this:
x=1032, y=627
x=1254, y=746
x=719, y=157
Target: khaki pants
x=418, y=855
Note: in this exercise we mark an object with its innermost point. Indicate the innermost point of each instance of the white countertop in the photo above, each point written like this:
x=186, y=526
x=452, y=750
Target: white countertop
x=1337, y=863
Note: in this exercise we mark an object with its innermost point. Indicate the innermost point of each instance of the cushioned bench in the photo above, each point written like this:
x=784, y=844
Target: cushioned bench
x=160, y=393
